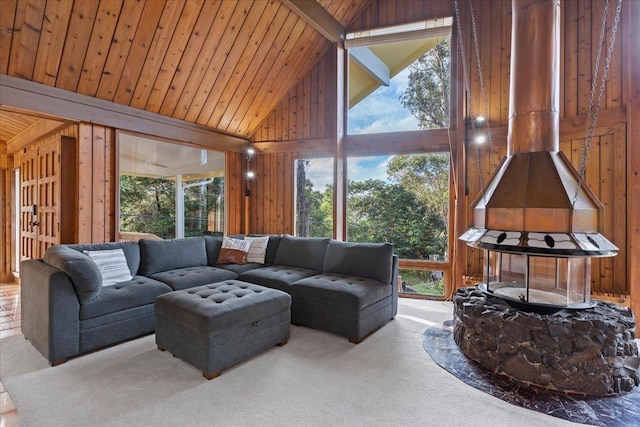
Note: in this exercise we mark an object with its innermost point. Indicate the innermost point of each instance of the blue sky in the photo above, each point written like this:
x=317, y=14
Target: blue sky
x=379, y=112
x=382, y=111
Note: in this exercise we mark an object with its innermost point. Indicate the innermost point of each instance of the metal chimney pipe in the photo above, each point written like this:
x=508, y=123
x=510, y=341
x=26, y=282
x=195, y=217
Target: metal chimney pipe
x=534, y=91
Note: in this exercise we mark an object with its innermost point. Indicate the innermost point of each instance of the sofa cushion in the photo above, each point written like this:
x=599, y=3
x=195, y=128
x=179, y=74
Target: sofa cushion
x=240, y=268
x=165, y=255
x=340, y=290
x=84, y=273
x=276, y=276
x=212, y=246
x=303, y=252
x=183, y=278
x=371, y=260
x=112, y=264
x=134, y=293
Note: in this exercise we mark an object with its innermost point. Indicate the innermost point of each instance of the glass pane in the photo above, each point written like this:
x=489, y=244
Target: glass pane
x=423, y=282
x=403, y=200
x=314, y=197
x=169, y=190
x=416, y=95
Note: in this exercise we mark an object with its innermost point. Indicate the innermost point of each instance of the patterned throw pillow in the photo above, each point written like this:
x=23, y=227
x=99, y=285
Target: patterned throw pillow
x=258, y=249
x=112, y=264
x=233, y=251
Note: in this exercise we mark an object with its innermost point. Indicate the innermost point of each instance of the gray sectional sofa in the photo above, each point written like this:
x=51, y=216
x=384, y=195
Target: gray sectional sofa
x=345, y=288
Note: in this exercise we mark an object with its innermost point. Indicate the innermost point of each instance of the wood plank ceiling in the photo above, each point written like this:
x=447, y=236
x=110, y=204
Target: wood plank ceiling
x=224, y=64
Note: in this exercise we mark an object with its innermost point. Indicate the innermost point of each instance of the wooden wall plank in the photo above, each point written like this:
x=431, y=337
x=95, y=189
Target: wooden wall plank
x=177, y=46
x=233, y=73
x=98, y=196
x=195, y=56
x=209, y=49
x=85, y=181
x=54, y=28
x=139, y=49
x=16, y=36
x=157, y=51
x=101, y=39
x=29, y=39
x=9, y=9
x=76, y=44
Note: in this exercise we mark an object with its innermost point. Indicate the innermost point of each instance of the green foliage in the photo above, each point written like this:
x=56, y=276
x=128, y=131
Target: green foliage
x=427, y=94
x=383, y=212
x=148, y=205
x=426, y=176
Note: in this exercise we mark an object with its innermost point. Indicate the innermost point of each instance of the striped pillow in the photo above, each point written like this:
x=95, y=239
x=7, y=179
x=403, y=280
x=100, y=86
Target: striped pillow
x=258, y=249
x=112, y=264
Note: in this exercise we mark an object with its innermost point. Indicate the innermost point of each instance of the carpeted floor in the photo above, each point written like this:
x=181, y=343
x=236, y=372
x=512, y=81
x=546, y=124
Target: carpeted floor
x=316, y=379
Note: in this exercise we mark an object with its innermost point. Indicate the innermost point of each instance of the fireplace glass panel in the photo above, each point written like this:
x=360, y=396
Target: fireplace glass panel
x=543, y=280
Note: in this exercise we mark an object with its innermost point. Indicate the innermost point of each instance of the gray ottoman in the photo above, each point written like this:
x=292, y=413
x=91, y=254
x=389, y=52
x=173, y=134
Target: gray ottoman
x=215, y=326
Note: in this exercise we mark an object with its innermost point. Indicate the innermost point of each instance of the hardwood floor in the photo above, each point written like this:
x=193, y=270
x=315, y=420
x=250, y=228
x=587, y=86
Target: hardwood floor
x=9, y=326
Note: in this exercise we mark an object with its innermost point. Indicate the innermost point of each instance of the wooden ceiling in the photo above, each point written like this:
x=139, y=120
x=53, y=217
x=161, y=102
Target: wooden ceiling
x=224, y=64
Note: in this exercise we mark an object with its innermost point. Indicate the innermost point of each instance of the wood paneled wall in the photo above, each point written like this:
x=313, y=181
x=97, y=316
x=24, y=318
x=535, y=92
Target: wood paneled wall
x=306, y=112
x=234, y=183
x=97, y=182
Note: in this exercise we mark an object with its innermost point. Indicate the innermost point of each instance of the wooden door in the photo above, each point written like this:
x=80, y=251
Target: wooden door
x=48, y=202
x=28, y=204
x=48, y=197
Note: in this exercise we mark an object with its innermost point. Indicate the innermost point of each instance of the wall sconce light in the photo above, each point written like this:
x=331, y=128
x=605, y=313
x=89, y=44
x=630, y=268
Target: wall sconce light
x=480, y=139
x=250, y=174
x=479, y=121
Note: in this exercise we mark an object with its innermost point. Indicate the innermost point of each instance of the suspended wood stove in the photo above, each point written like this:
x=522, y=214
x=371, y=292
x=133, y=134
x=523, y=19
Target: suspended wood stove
x=537, y=220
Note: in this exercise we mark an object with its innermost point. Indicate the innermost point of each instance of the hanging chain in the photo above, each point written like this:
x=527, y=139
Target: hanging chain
x=467, y=85
x=594, y=111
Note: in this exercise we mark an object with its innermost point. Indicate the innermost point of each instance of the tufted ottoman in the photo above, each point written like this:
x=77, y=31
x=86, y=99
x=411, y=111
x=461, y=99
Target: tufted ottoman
x=215, y=326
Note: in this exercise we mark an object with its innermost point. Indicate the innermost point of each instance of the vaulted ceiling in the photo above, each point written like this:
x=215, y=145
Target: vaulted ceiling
x=224, y=64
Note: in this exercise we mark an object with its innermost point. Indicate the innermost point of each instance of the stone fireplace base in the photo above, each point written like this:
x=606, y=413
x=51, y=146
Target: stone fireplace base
x=590, y=352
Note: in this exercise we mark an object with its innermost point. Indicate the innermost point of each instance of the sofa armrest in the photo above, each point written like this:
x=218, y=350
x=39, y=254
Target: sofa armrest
x=50, y=310
x=394, y=284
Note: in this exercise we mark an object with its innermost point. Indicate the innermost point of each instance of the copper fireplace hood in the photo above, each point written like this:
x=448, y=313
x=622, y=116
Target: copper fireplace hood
x=534, y=204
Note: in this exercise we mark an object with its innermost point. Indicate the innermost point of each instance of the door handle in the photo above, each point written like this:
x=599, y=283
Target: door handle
x=35, y=223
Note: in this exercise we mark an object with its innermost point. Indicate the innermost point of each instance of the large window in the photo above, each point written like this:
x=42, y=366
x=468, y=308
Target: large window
x=314, y=197
x=403, y=200
x=169, y=190
x=399, y=78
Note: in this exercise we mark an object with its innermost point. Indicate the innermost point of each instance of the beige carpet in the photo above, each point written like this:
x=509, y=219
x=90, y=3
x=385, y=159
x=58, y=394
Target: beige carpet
x=317, y=379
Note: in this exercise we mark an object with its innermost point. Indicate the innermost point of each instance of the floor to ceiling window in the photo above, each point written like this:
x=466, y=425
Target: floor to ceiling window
x=399, y=80
x=314, y=197
x=169, y=190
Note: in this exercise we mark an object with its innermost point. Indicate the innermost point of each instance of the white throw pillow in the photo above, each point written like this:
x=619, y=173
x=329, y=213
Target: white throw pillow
x=258, y=249
x=237, y=244
x=112, y=264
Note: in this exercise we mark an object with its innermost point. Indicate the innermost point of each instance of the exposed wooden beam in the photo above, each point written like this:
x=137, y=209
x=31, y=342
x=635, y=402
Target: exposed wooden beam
x=310, y=147
x=371, y=64
x=406, y=142
x=37, y=130
x=19, y=93
x=318, y=18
